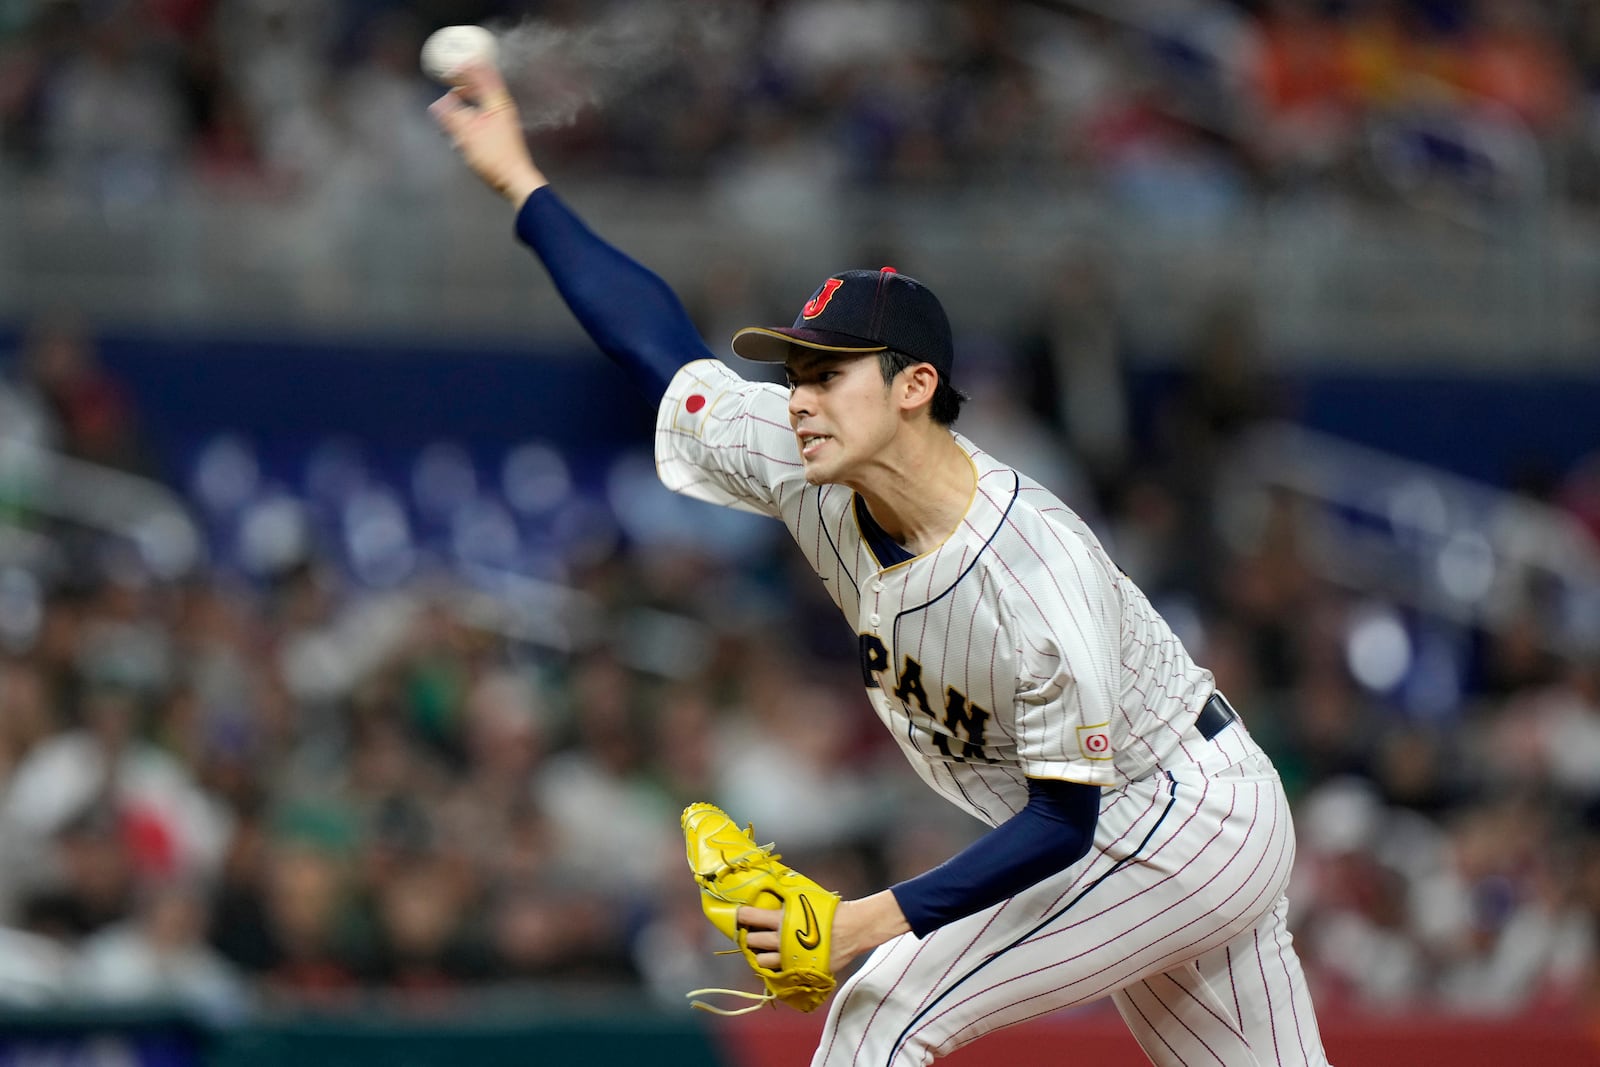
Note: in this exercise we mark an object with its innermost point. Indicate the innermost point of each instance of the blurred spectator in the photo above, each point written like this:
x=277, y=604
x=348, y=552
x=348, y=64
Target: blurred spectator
x=88, y=881
x=508, y=738
x=1072, y=373
x=604, y=808
x=1150, y=536
x=677, y=950
x=1584, y=981
x=1549, y=735
x=315, y=953
x=240, y=928
x=160, y=957
x=1496, y=915
x=92, y=411
x=795, y=743
x=819, y=38
x=422, y=943
x=1416, y=770
x=1306, y=82
x=115, y=120
x=1172, y=175
x=1514, y=60
x=24, y=415
x=26, y=714
x=34, y=970
x=125, y=639
x=999, y=416
x=104, y=775
x=1579, y=493
x=385, y=111
x=1367, y=957
x=685, y=731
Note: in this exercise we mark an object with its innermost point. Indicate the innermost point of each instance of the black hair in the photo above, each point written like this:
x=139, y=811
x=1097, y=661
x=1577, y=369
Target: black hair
x=947, y=400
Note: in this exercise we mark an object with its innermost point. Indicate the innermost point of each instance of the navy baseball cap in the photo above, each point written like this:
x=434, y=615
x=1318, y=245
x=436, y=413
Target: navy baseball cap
x=859, y=312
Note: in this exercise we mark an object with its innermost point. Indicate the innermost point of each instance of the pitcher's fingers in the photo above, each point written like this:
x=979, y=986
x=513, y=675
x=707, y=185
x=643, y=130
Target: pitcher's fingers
x=481, y=84
x=759, y=918
x=451, y=112
x=763, y=940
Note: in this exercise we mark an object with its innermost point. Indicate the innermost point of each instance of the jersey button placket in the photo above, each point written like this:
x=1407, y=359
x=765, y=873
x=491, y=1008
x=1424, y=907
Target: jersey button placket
x=875, y=619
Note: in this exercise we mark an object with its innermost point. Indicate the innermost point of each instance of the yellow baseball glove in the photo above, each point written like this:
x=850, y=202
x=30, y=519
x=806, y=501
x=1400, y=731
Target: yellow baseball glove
x=732, y=870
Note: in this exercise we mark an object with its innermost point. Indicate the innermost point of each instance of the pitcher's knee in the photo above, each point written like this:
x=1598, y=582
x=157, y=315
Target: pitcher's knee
x=872, y=1023
x=860, y=1043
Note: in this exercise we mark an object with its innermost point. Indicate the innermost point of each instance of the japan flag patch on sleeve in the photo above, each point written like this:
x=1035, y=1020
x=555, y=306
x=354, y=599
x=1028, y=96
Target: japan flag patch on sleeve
x=693, y=408
x=1094, y=742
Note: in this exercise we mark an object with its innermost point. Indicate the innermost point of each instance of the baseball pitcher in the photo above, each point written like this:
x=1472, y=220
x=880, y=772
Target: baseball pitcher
x=1141, y=841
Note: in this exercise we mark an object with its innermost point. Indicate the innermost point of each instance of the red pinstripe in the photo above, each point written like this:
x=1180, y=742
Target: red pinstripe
x=932, y=988
x=1233, y=985
x=1056, y=1005
x=1294, y=1012
x=1152, y=1028
x=1080, y=921
x=1266, y=991
x=1159, y=999
x=1228, y=1023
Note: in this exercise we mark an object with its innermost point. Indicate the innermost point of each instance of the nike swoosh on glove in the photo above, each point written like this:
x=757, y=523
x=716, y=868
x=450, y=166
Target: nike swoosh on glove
x=731, y=871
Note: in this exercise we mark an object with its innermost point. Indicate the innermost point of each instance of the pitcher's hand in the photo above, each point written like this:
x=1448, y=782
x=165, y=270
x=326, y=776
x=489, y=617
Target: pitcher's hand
x=483, y=124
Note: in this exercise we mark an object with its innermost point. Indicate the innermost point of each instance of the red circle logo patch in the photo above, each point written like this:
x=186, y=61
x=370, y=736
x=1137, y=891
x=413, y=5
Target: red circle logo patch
x=1097, y=742
x=695, y=403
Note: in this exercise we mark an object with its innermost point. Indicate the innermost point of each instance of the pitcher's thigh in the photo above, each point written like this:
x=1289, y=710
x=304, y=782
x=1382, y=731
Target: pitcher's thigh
x=1191, y=885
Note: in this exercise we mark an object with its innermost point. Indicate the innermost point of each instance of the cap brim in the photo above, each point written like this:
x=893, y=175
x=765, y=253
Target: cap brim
x=772, y=344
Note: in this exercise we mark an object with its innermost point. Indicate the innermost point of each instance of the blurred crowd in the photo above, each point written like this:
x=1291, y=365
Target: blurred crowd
x=273, y=783
x=1181, y=107
x=283, y=785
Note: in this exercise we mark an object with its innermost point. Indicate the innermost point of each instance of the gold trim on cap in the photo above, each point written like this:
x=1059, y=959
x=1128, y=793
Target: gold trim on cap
x=772, y=334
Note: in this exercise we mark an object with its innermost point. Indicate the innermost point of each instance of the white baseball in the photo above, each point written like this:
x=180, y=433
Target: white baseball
x=446, y=51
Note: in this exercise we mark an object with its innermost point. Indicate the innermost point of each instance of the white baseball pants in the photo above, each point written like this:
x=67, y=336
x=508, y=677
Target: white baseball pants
x=1177, y=913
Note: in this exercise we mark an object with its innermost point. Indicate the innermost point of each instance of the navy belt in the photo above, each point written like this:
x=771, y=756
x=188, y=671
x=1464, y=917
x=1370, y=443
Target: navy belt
x=1214, y=716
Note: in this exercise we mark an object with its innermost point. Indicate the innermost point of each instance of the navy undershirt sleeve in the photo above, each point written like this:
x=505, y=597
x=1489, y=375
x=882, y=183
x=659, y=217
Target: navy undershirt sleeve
x=1052, y=832
x=632, y=314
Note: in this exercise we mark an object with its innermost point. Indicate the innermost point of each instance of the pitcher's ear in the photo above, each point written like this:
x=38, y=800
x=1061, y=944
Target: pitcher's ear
x=919, y=382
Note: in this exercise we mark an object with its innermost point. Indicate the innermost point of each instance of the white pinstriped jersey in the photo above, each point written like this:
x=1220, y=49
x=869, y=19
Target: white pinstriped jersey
x=1016, y=649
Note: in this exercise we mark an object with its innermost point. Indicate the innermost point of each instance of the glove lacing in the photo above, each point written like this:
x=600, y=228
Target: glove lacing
x=743, y=861
x=761, y=999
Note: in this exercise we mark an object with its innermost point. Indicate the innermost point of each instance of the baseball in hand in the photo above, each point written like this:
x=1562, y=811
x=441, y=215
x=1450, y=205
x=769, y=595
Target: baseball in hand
x=446, y=51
